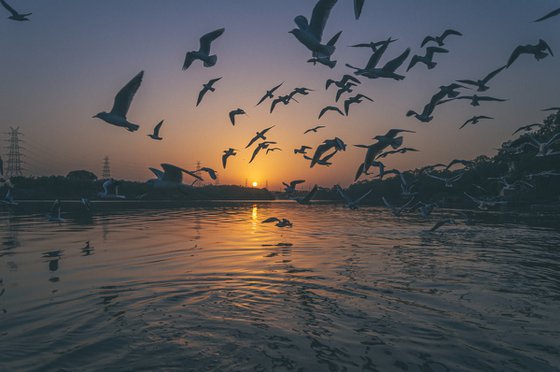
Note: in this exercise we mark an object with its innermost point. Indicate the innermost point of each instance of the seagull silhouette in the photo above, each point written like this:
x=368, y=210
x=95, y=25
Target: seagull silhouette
x=209, y=86
x=203, y=53
x=155, y=135
x=123, y=99
x=235, y=112
x=15, y=15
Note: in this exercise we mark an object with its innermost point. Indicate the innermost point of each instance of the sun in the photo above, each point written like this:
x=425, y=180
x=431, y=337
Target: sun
x=255, y=184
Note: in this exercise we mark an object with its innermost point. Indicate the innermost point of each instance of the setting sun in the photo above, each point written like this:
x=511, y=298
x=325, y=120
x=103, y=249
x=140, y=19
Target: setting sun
x=255, y=184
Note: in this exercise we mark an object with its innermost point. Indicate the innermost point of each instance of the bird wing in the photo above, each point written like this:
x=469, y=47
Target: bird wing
x=124, y=97
x=358, y=5
x=359, y=96
x=430, y=51
x=345, y=197
x=252, y=141
x=201, y=95
x=295, y=182
x=387, y=204
x=553, y=139
x=466, y=122
x=393, y=64
x=488, y=77
x=255, y=152
x=262, y=99
x=393, y=132
x=319, y=17
x=276, y=87
x=171, y=173
x=470, y=82
x=157, y=128
x=448, y=32
x=376, y=56
x=307, y=198
x=271, y=219
x=413, y=61
x=9, y=8
x=263, y=132
x=516, y=53
x=207, y=39
x=232, y=116
x=544, y=45
x=546, y=16
x=347, y=104
x=438, y=224
x=488, y=98
x=426, y=40
x=363, y=196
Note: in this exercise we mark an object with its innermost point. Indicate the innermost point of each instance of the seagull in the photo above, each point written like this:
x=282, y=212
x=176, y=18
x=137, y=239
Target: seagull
x=307, y=198
x=482, y=84
x=203, y=52
x=446, y=91
x=373, y=45
x=314, y=129
x=354, y=99
x=344, y=89
x=539, y=51
x=55, y=212
x=528, y=128
x=170, y=178
x=284, y=99
x=279, y=222
x=323, y=161
x=155, y=135
x=328, y=144
x=551, y=109
x=426, y=115
x=310, y=33
x=397, y=211
x=427, y=58
x=235, y=112
x=211, y=172
x=440, y=39
x=448, y=181
x=358, y=5
x=272, y=149
x=302, y=150
x=227, y=153
x=464, y=163
x=346, y=79
x=442, y=222
x=262, y=145
x=387, y=71
x=326, y=59
x=330, y=108
x=269, y=93
x=484, y=204
x=291, y=187
x=117, y=115
x=475, y=120
x=350, y=203
x=15, y=15
x=303, y=91
x=111, y=190
x=209, y=86
x=406, y=188
x=259, y=135
x=475, y=99
x=390, y=138
x=543, y=174
x=544, y=148
x=548, y=15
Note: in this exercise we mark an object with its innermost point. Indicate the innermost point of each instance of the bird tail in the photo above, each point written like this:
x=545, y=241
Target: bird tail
x=211, y=61
x=397, y=142
x=132, y=127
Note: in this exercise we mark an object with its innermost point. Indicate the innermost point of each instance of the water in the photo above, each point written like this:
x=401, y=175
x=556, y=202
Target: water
x=208, y=287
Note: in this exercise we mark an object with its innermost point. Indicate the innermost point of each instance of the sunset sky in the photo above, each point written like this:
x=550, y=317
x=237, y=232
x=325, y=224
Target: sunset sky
x=67, y=64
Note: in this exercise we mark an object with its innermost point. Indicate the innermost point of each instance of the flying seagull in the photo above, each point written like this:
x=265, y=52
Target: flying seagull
x=259, y=135
x=227, y=153
x=314, y=129
x=548, y=15
x=350, y=203
x=528, y=128
x=15, y=15
x=203, y=53
x=123, y=99
x=111, y=190
x=426, y=115
x=539, y=51
x=397, y=211
x=475, y=120
x=55, y=213
x=344, y=89
x=302, y=150
x=354, y=99
x=211, y=172
x=310, y=33
x=279, y=222
x=441, y=38
x=448, y=181
x=307, y=198
x=269, y=93
x=373, y=45
x=427, y=58
x=209, y=86
x=346, y=79
x=330, y=108
x=481, y=84
x=155, y=135
x=387, y=71
x=291, y=187
x=235, y=112
x=262, y=145
x=284, y=99
x=272, y=149
x=170, y=178
x=323, y=161
x=551, y=109
x=475, y=99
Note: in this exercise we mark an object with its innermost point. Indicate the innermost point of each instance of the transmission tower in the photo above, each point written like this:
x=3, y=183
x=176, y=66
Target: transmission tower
x=14, y=167
x=106, y=174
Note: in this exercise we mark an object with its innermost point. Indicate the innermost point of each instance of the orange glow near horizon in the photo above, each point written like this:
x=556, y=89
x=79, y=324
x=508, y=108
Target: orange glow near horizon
x=255, y=183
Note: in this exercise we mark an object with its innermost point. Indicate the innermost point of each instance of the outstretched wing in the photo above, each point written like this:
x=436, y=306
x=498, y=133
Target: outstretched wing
x=516, y=53
x=448, y=32
x=9, y=8
x=492, y=74
x=206, y=40
x=392, y=65
x=358, y=5
x=320, y=16
x=124, y=97
x=546, y=16
x=157, y=128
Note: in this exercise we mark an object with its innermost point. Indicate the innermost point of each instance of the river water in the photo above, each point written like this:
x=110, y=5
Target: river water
x=209, y=287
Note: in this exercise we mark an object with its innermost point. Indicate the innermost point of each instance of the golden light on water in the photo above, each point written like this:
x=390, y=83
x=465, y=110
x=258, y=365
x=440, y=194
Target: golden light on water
x=255, y=184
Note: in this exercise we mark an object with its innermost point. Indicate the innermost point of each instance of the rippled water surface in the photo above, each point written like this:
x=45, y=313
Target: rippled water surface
x=208, y=287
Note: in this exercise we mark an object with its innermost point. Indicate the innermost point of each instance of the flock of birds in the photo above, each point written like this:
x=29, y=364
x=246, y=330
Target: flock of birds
x=310, y=34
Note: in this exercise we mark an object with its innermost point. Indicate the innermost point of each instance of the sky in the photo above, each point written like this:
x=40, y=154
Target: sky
x=69, y=61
